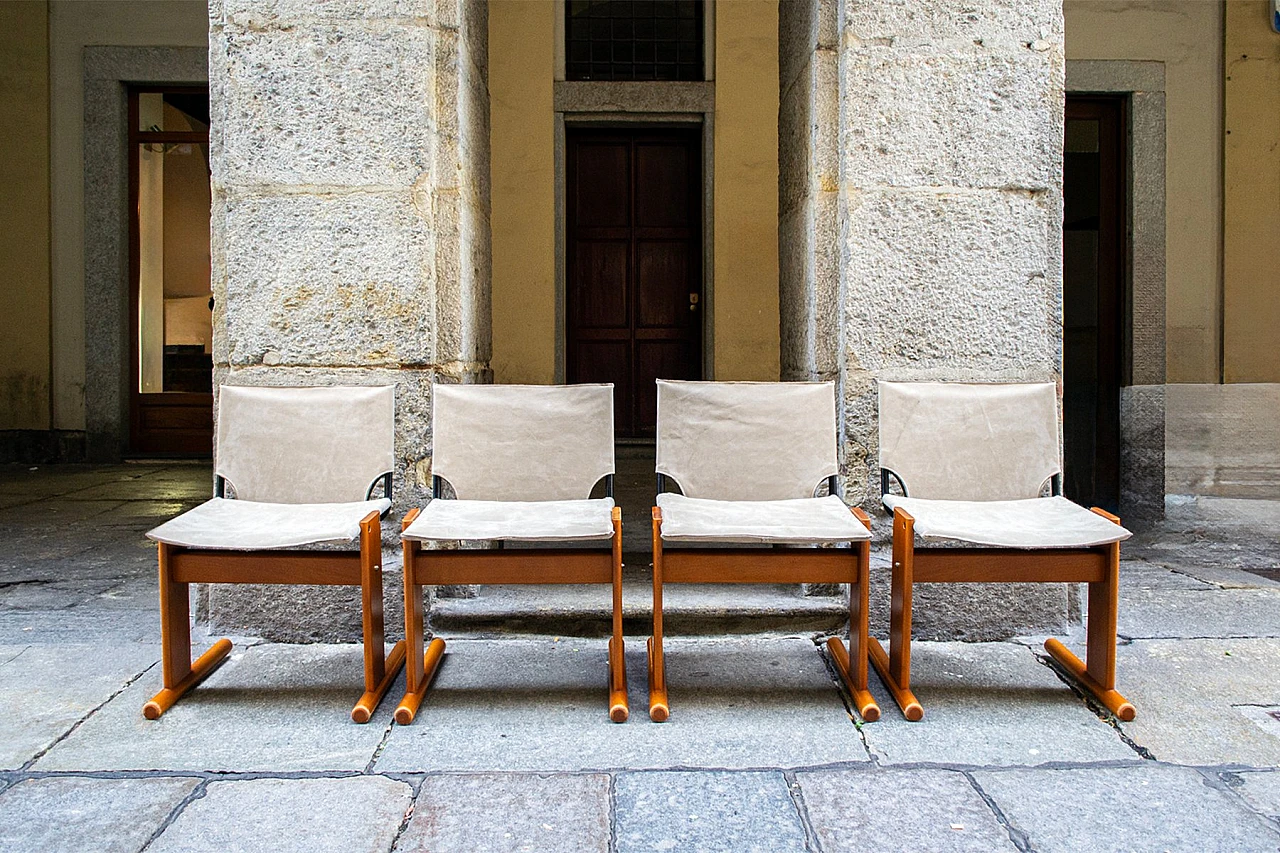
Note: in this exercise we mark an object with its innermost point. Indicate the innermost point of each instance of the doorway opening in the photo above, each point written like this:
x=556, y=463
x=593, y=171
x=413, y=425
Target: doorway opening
x=171, y=304
x=633, y=271
x=1094, y=305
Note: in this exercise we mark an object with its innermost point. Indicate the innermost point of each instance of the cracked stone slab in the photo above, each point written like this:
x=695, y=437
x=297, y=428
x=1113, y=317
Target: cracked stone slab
x=935, y=810
x=686, y=811
x=61, y=814
x=80, y=625
x=360, y=813
x=1144, y=807
x=268, y=708
x=1199, y=613
x=45, y=690
x=988, y=704
x=1189, y=696
x=540, y=705
x=1260, y=790
x=455, y=814
x=1139, y=574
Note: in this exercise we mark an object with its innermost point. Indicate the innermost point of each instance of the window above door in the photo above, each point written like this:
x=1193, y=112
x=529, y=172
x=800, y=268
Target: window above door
x=634, y=39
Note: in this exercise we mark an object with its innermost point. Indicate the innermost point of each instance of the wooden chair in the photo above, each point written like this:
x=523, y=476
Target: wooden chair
x=748, y=458
x=522, y=461
x=972, y=462
x=303, y=465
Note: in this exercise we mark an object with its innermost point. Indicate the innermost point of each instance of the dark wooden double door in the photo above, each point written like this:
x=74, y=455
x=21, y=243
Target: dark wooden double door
x=634, y=264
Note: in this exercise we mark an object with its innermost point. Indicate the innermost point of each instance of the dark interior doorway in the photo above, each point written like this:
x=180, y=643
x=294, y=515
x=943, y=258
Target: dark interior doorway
x=633, y=264
x=170, y=303
x=1095, y=227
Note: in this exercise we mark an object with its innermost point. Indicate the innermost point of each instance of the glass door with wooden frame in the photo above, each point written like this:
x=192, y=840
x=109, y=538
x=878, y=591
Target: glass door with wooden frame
x=171, y=304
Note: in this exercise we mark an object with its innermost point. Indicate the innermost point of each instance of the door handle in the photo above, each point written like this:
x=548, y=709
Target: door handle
x=693, y=302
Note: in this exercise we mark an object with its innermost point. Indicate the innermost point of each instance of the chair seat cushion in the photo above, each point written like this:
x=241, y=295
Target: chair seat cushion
x=251, y=525
x=1031, y=523
x=514, y=521
x=799, y=521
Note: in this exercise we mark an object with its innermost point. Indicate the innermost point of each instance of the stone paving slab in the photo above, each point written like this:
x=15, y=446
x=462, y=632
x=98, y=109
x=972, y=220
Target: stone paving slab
x=907, y=810
x=988, y=704
x=80, y=625
x=1125, y=808
x=1261, y=791
x=1139, y=574
x=1192, y=698
x=45, y=690
x=696, y=812
x=510, y=812
x=1153, y=614
x=42, y=481
x=269, y=708
x=57, y=815
x=538, y=705
x=351, y=815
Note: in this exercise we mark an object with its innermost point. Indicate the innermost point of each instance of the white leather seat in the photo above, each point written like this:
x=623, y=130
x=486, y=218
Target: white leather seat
x=514, y=521
x=796, y=521
x=237, y=525
x=1052, y=522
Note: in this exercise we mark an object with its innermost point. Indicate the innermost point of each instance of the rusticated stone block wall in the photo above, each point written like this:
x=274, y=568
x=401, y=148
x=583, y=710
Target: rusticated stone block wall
x=921, y=224
x=349, y=152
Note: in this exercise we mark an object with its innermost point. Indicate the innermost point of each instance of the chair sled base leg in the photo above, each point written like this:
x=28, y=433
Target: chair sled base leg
x=863, y=701
x=1109, y=697
x=619, y=705
x=659, y=706
x=408, y=707
x=911, y=707
x=200, y=670
x=363, y=711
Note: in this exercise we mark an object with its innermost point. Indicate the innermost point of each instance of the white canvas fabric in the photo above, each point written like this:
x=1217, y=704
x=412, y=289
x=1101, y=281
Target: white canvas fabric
x=953, y=441
x=1032, y=523
x=304, y=445
x=746, y=440
x=522, y=442
x=252, y=525
x=797, y=521
x=514, y=521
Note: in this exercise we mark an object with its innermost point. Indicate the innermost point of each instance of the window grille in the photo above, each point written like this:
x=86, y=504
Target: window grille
x=634, y=39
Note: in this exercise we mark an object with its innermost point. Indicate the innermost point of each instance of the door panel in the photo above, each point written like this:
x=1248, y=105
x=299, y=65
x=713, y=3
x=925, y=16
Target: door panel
x=1093, y=304
x=662, y=278
x=634, y=271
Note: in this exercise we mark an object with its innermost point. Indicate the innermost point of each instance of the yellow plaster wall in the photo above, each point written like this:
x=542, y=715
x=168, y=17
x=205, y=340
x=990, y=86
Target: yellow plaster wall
x=1251, y=167
x=522, y=164
x=24, y=216
x=745, y=212
x=1187, y=38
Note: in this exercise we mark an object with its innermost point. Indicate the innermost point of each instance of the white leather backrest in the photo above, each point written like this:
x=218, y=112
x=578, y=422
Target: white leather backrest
x=522, y=442
x=305, y=445
x=747, y=440
x=953, y=441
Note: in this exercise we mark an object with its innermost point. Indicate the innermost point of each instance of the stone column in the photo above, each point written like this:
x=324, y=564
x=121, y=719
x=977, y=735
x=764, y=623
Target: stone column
x=350, y=245
x=922, y=223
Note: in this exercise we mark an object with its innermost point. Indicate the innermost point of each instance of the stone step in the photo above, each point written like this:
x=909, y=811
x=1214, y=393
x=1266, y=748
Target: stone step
x=586, y=610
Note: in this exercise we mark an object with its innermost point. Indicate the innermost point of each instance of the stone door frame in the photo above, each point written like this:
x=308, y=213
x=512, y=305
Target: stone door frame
x=1142, y=393
x=108, y=72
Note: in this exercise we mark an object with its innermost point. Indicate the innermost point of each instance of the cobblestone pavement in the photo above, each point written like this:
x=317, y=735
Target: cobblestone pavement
x=512, y=749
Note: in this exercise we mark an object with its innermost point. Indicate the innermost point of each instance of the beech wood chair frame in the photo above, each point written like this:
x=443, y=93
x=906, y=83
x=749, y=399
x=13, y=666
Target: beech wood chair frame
x=777, y=564
x=505, y=566
x=181, y=566
x=1098, y=566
